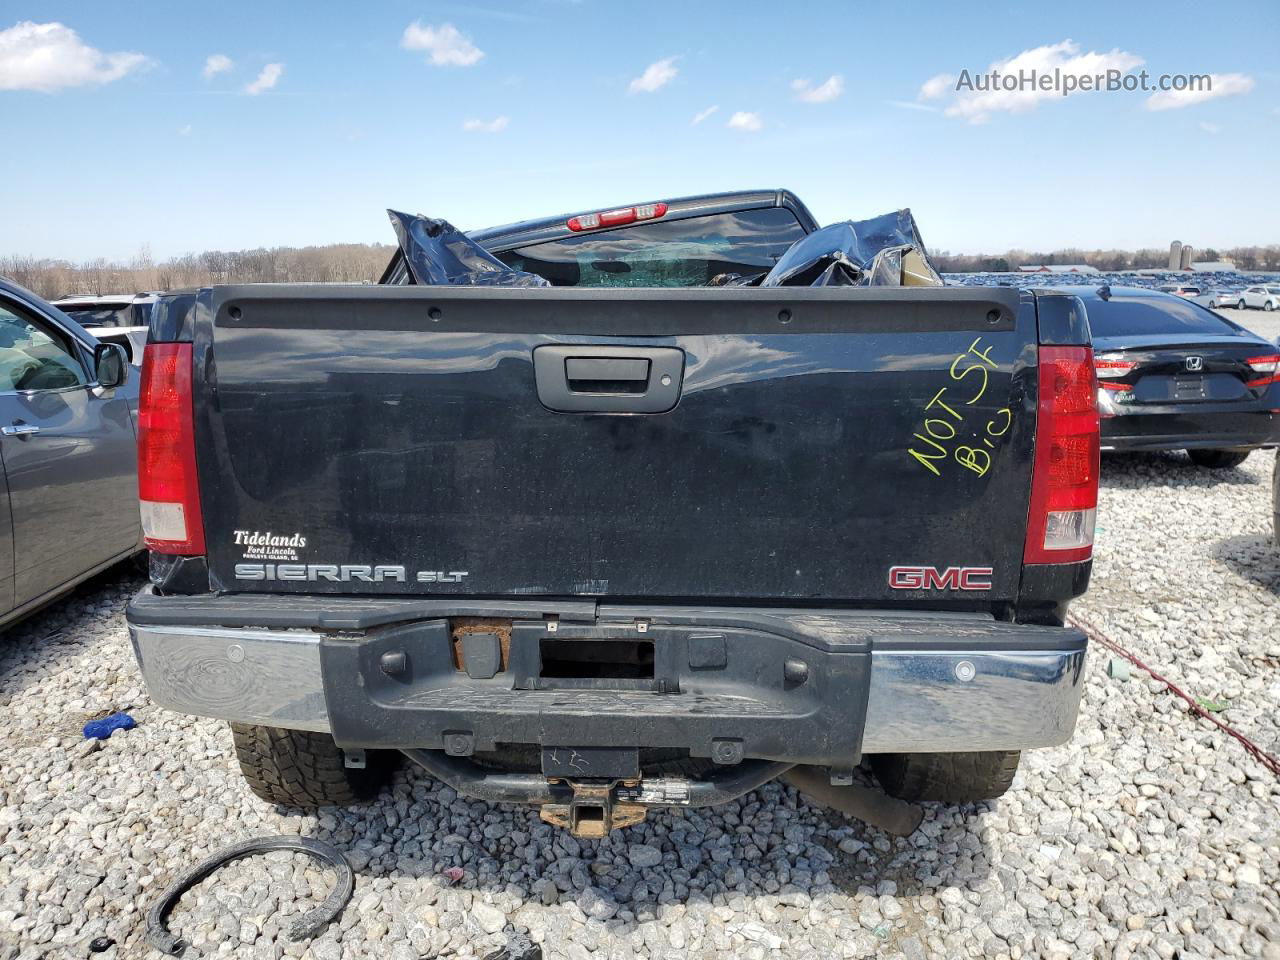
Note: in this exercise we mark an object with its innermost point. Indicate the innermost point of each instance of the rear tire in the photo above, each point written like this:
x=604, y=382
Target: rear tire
x=298, y=768
x=1268, y=306
x=1241, y=305
x=946, y=777
x=1218, y=459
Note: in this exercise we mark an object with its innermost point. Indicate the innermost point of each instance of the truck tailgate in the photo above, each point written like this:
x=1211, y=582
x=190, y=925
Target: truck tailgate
x=782, y=444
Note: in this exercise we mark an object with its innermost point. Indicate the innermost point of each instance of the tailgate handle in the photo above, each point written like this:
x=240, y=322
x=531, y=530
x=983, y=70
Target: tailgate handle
x=591, y=378
x=606, y=374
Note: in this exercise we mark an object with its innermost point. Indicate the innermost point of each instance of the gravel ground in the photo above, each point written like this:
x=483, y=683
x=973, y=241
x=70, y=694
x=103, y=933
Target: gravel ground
x=1150, y=834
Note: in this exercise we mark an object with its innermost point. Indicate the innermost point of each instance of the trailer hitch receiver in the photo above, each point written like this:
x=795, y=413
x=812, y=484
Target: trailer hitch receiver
x=593, y=812
x=594, y=807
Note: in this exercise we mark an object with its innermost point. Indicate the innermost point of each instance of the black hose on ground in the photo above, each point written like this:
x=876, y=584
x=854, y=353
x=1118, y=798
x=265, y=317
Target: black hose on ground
x=308, y=925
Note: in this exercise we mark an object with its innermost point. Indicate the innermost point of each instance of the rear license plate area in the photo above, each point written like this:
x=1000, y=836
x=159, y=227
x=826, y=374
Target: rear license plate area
x=1189, y=388
x=590, y=659
x=595, y=659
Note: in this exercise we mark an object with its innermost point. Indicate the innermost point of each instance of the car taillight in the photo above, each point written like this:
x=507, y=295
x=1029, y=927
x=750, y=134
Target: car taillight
x=1064, y=480
x=616, y=218
x=1266, y=366
x=167, y=487
x=1106, y=366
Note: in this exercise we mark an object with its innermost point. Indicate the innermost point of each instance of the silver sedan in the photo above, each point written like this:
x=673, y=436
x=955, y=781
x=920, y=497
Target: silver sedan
x=1259, y=297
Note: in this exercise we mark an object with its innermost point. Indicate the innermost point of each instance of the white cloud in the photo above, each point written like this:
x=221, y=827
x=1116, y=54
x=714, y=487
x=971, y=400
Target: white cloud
x=184, y=131
x=911, y=105
x=1210, y=127
x=977, y=106
x=215, y=64
x=937, y=86
x=656, y=76
x=826, y=91
x=447, y=46
x=50, y=56
x=267, y=79
x=1219, y=85
x=702, y=115
x=750, y=122
x=496, y=125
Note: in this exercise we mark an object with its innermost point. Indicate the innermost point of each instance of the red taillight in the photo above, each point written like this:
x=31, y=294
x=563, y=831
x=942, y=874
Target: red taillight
x=1267, y=366
x=616, y=218
x=167, y=486
x=1112, y=367
x=1064, y=481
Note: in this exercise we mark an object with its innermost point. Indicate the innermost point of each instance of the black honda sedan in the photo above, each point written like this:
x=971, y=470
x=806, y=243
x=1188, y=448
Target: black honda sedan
x=1173, y=375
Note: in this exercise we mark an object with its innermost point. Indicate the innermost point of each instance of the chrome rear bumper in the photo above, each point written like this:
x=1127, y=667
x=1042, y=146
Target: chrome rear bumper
x=989, y=687
x=268, y=677
x=920, y=701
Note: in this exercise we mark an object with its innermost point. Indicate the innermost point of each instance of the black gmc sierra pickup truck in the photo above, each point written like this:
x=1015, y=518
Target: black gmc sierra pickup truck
x=624, y=540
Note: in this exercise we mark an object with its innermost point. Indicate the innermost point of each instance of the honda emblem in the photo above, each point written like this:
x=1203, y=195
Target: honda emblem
x=1195, y=363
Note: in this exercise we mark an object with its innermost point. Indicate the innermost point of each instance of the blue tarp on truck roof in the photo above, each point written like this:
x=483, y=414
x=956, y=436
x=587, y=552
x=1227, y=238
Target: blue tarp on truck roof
x=437, y=252
x=883, y=251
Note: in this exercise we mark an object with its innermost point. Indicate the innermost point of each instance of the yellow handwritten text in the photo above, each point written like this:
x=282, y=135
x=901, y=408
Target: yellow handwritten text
x=944, y=420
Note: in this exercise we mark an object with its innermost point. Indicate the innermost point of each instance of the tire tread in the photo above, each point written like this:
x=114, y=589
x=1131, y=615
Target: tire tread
x=946, y=777
x=298, y=768
x=1215, y=459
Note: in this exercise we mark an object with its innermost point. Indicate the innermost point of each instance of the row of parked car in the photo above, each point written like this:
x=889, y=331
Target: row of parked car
x=1258, y=297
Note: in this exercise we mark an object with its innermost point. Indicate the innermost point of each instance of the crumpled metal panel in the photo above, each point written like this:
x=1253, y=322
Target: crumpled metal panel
x=883, y=251
x=437, y=252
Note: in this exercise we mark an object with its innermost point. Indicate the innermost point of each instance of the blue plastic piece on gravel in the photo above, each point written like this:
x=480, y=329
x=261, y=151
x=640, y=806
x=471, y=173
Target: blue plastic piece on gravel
x=101, y=729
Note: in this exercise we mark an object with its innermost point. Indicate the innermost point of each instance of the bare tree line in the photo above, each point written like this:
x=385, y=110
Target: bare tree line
x=364, y=263
x=1245, y=258
x=335, y=263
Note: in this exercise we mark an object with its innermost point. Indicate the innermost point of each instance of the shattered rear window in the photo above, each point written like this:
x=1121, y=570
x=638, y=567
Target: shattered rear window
x=664, y=253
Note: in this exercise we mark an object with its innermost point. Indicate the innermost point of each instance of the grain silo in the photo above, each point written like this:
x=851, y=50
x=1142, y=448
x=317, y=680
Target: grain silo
x=1187, y=252
x=1175, y=255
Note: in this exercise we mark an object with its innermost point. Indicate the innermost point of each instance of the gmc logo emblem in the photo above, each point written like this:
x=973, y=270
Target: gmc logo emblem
x=931, y=578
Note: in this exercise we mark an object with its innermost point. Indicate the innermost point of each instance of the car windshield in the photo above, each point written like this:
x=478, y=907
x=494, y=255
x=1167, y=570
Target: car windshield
x=1140, y=316
x=104, y=315
x=668, y=253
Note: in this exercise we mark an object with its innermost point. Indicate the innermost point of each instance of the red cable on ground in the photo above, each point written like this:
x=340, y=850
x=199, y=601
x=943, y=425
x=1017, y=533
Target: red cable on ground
x=1270, y=761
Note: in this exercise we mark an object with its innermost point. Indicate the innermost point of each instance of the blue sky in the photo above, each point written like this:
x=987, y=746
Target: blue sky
x=116, y=138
